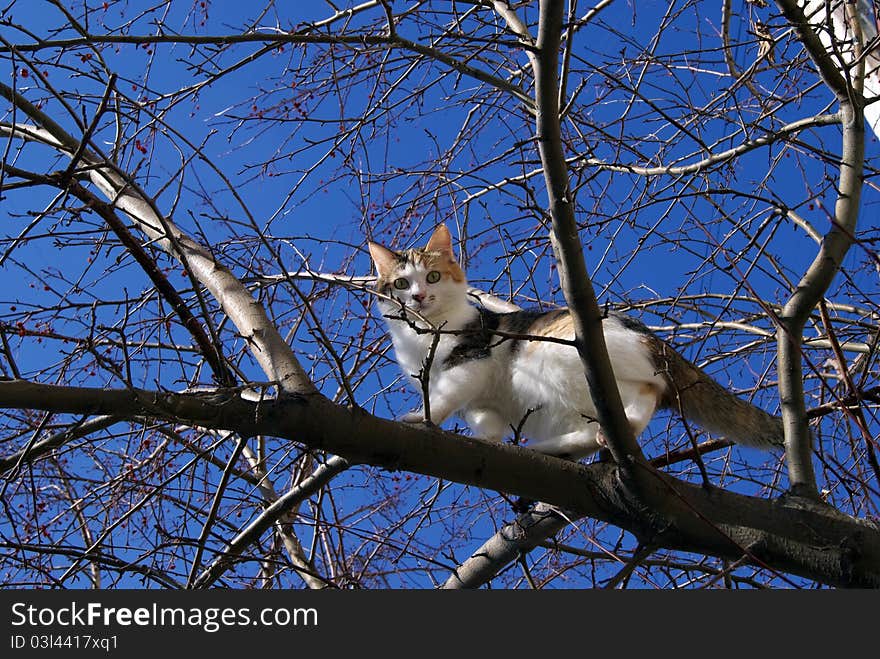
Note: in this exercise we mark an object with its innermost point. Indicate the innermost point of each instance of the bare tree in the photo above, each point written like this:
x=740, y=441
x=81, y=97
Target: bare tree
x=197, y=390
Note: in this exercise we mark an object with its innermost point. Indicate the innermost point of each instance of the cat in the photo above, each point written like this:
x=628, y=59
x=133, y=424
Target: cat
x=504, y=374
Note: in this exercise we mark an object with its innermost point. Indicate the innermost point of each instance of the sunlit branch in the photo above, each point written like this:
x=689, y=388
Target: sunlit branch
x=284, y=527
x=269, y=348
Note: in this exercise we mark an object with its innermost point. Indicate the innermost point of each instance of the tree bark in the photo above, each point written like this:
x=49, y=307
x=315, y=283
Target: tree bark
x=790, y=535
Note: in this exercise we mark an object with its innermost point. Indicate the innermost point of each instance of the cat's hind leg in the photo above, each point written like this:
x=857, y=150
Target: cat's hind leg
x=486, y=423
x=640, y=401
x=571, y=445
x=639, y=404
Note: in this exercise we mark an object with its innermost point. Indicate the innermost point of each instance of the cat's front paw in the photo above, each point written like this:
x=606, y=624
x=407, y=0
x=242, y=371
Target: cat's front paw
x=416, y=416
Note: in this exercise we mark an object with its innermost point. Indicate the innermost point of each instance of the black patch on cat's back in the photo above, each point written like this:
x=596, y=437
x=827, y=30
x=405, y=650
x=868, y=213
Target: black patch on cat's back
x=475, y=341
x=523, y=322
x=631, y=323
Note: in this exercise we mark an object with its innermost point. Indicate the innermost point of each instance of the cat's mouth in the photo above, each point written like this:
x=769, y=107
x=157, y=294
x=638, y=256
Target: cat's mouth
x=421, y=306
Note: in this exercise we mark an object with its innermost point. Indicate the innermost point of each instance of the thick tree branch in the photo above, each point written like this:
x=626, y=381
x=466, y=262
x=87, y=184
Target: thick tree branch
x=828, y=68
x=790, y=534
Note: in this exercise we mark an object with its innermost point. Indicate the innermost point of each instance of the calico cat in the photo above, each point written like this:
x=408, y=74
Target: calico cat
x=505, y=375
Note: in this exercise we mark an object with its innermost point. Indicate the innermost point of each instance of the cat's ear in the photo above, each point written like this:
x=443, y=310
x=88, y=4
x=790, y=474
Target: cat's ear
x=441, y=241
x=384, y=258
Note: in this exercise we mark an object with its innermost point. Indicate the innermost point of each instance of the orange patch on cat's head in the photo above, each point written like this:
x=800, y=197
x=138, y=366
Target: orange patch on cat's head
x=387, y=262
x=442, y=262
x=436, y=255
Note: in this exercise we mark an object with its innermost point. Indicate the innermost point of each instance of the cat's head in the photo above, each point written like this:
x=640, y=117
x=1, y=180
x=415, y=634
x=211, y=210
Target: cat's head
x=428, y=281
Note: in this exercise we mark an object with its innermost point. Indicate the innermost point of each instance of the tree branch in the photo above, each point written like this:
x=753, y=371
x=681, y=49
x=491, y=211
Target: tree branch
x=509, y=543
x=834, y=246
x=277, y=513
x=211, y=350
x=576, y=284
x=267, y=345
x=35, y=450
x=790, y=534
x=276, y=39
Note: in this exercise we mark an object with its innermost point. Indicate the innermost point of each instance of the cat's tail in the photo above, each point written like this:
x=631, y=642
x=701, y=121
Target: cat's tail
x=699, y=398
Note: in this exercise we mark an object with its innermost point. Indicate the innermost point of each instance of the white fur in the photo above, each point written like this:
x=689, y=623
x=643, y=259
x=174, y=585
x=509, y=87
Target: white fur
x=549, y=377
x=540, y=390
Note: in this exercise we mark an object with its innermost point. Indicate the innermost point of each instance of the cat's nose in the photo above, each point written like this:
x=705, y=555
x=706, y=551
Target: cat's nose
x=419, y=297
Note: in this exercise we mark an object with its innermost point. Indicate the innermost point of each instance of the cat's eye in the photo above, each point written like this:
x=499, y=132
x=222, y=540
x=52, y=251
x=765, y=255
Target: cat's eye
x=401, y=283
x=432, y=277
